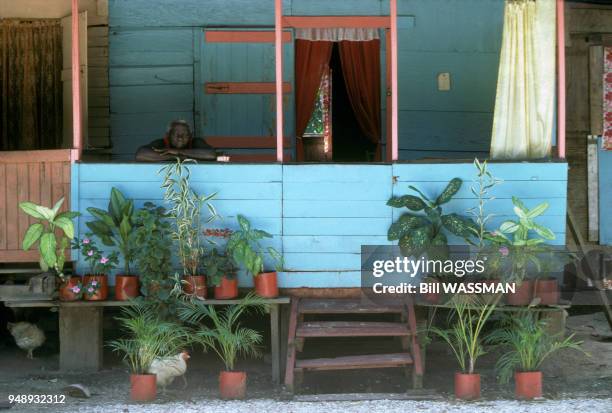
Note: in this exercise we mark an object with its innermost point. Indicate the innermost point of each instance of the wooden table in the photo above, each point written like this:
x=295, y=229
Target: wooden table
x=81, y=337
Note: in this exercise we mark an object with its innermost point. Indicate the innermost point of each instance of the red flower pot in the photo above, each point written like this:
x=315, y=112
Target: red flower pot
x=528, y=384
x=232, y=384
x=467, y=386
x=547, y=291
x=126, y=287
x=196, y=285
x=266, y=284
x=523, y=294
x=143, y=387
x=65, y=290
x=102, y=291
x=227, y=289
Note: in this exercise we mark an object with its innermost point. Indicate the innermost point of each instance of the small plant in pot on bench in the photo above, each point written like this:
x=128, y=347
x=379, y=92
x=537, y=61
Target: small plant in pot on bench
x=528, y=345
x=221, y=273
x=149, y=339
x=245, y=248
x=115, y=228
x=95, y=283
x=227, y=338
x=53, y=233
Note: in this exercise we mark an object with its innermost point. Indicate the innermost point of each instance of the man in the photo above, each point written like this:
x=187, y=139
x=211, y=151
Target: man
x=178, y=142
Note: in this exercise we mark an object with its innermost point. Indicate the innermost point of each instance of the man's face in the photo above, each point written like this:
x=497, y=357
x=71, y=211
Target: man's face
x=179, y=136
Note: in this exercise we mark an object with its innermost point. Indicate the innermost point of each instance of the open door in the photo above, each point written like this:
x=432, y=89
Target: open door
x=67, y=76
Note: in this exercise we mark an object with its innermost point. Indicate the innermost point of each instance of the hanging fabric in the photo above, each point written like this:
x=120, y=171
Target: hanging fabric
x=361, y=71
x=524, y=104
x=30, y=84
x=337, y=34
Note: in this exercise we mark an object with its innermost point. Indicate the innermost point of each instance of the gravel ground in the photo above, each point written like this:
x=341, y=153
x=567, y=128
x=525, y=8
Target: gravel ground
x=387, y=406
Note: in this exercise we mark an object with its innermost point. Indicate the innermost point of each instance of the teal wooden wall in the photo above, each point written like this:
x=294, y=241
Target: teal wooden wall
x=605, y=196
x=320, y=215
x=157, y=68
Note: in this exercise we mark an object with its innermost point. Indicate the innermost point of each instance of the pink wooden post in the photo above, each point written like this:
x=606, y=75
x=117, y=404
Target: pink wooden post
x=278, y=49
x=77, y=138
x=394, y=140
x=561, y=78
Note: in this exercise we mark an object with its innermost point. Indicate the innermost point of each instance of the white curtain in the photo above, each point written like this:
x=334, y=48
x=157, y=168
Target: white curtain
x=337, y=34
x=524, y=104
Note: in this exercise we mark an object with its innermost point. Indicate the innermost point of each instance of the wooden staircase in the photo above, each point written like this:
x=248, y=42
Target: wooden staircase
x=404, y=329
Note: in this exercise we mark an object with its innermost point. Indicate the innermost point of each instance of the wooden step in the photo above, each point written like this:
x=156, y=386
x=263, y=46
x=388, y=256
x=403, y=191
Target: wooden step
x=372, y=361
x=348, y=306
x=351, y=329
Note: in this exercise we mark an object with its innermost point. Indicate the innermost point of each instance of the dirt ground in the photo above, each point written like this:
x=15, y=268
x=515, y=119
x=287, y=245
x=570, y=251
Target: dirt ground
x=569, y=375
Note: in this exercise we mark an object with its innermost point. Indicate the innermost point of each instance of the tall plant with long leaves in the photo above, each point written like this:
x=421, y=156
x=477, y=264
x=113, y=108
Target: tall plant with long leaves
x=481, y=188
x=528, y=344
x=53, y=232
x=228, y=339
x=185, y=212
x=116, y=226
x=148, y=337
x=468, y=318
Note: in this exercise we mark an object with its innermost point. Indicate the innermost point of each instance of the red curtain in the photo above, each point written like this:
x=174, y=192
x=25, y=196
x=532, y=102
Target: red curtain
x=361, y=70
x=311, y=59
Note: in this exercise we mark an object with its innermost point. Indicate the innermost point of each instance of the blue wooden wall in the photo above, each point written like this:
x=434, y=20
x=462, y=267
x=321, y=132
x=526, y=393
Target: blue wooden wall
x=320, y=215
x=605, y=196
x=157, y=70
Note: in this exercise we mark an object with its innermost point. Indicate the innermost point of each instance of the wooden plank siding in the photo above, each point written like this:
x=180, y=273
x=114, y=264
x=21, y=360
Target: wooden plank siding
x=320, y=215
x=42, y=177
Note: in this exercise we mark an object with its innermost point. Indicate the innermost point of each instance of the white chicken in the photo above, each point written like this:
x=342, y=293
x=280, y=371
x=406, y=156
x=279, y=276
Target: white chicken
x=27, y=336
x=167, y=368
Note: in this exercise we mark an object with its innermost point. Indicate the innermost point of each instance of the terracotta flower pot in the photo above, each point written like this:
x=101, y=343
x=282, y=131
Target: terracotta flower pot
x=232, y=384
x=126, y=287
x=467, y=386
x=528, y=384
x=65, y=290
x=548, y=291
x=227, y=289
x=196, y=285
x=523, y=294
x=266, y=284
x=143, y=387
x=102, y=292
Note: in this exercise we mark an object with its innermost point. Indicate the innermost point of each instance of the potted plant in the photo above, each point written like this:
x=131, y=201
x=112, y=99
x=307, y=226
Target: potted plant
x=149, y=338
x=245, y=249
x=221, y=273
x=422, y=230
x=185, y=212
x=95, y=283
x=53, y=232
x=529, y=345
x=520, y=244
x=227, y=338
x=468, y=318
x=115, y=228
x=71, y=289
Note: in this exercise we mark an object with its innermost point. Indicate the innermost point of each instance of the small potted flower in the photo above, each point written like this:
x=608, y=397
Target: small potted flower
x=71, y=289
x=221, y=273
x=96, y=282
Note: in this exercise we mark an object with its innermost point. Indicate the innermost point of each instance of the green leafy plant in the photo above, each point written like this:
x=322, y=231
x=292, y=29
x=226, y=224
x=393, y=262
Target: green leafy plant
x=149, y=337
x=116, y=226
x=218, y=266
x=53, y=232
x=185, y=212
x=418, y=232
x=528, y=343
x=483, y=184
x=99, y=264
x=464, y=337
x=245, y=248
x=228, y=339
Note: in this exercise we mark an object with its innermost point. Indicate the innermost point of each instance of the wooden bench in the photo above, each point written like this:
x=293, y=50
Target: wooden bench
x=81, y=336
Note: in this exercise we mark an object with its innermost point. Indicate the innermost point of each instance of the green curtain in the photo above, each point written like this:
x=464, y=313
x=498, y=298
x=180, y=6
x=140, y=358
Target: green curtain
x=30, y=84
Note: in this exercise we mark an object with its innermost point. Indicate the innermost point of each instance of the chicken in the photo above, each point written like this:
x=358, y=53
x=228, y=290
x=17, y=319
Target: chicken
x=167, y=368
x=27, y=336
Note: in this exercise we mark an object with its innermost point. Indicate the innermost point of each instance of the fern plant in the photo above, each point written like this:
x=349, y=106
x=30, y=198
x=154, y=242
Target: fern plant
x=528, y=343
x=185, y=212
x=149, y=337
x=227, y=338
